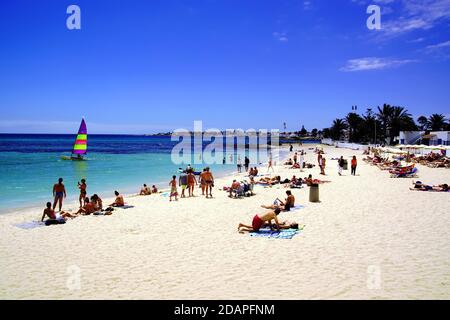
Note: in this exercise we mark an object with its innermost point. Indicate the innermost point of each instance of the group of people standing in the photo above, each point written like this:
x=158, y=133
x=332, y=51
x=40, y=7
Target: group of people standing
x=187, y=180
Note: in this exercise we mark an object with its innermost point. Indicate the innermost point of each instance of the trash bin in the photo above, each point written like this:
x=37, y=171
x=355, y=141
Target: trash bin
x=314, y=193
x=345, y=165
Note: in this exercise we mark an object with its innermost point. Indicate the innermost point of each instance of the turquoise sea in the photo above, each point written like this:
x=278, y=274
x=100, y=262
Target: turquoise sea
x=31, y=164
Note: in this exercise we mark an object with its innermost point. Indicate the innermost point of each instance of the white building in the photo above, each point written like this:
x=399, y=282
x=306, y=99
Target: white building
x=433, y=138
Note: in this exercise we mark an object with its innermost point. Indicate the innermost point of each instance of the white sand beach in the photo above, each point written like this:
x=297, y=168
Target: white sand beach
x=365, y=228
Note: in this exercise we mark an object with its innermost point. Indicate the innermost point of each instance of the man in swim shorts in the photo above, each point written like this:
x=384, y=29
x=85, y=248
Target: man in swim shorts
x=259, y=221
x=287, y=205
x=182, y=181
x=119, y=202
x=50, y=213
x=59, y=193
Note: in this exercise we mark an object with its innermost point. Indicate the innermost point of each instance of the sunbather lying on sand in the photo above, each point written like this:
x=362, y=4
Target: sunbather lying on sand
x=269, y=181
x=419, y=186
x=283, y=225
x=258, y=221
x=283, y=205
x=50, y=213
x=309, y=181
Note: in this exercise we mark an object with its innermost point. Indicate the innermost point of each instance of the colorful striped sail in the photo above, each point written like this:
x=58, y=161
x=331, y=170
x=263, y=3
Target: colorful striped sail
x=80, y=146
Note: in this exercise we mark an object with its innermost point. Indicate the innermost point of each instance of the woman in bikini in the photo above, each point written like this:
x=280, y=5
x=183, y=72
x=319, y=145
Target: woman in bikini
x=82, y=186
x=59, y=193
x=192, y=181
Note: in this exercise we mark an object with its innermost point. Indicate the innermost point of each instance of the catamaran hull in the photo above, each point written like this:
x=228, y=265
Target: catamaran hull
x=73, y=159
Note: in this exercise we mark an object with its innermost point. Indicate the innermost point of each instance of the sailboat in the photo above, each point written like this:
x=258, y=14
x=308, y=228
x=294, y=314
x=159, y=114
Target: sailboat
x=80, y=145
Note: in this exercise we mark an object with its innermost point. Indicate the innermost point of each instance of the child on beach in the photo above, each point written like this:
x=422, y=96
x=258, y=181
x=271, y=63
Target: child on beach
x=59, y=192
x=354, y=164
x=182, y=180
x=82, y=186
x=173, y=188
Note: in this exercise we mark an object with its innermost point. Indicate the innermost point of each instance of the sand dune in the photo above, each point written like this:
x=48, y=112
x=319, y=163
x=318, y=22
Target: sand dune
x=368, y=238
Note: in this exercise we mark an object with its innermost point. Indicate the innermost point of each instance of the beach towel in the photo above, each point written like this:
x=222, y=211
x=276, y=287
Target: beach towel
x=30, y=225
x=283, y=234
x=295, y=208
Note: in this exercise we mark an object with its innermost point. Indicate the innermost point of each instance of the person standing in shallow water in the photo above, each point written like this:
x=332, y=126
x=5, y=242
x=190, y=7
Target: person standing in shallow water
x=59, y=193
x=354, y=165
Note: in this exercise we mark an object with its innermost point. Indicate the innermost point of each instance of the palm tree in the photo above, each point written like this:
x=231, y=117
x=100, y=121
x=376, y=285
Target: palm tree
x=384, y=115
x=353, y=121
x=423, y=121
x=337, y=129
x=400, y=120
x=437, y=122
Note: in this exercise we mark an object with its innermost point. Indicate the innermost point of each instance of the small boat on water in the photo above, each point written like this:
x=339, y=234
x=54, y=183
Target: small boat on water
x=80, y=145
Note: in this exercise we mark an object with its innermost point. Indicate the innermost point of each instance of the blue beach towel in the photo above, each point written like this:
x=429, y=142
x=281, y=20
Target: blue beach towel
x=283, y=234
x=296, y=208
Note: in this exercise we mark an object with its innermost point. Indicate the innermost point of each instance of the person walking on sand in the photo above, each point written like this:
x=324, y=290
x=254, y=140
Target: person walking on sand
x=209, y=182
x=340, y=165
x=173, y=188
x=260, y=220
x=183, y=183
x=324, y=163
x=302, y=161
x=239, y=164
x=202, y=181
x=354, y=165
x=295, y=158
x=291, y=147
x=192, y=181
x=59, y=193
x=270, y=165
x=246, y=163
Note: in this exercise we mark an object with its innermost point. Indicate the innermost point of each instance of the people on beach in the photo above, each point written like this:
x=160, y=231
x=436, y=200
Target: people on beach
x=50, y=213
x=145, y=191
x=324, y=161
x=354, y=164
x=97, y=201
x=209, y=182
x=59, y=193
x=310, y=181
x=183, y=183
x=269, y=181
x=235, y=187
x=154, y=189
x=302, y=161
x=88, y=207
x=259, y=221
x=173, y=188
x=83, y=191
x=119, y=201
x=419, y=186
x=340, y=165
x=283, y=205
x=192, y=182
x=291, y=147
x=295, y=158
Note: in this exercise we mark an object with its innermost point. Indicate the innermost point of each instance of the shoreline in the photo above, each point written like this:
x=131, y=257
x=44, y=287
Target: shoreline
x=71, y=203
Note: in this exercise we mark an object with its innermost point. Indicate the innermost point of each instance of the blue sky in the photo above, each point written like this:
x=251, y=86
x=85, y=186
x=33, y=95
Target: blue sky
x=150, y=66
